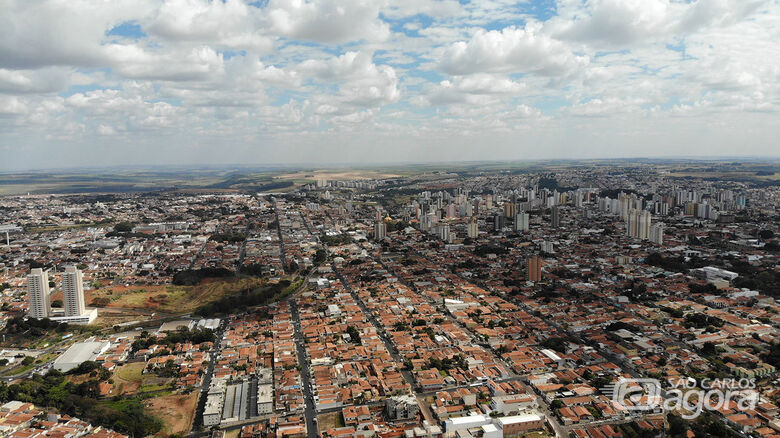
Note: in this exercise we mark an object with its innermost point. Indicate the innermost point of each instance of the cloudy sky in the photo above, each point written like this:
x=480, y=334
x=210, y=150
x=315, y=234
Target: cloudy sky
x=104, y=82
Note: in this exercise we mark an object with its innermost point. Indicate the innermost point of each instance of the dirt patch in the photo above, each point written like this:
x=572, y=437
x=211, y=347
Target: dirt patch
x=175, y=411
x=329, y=421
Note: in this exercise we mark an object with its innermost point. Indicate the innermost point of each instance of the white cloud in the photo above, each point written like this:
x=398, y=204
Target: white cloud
x=520, y=50
x=12, y=106
x=478, y=89
x=230, y=24
x=620, y=23
x=426, y=79
x=35, y=34
x=327, y=21
x=133, y=61
x=361, y=82
x=106, y=130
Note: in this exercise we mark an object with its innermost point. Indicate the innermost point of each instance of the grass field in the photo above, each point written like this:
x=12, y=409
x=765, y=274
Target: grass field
x=169, y=298
x=129, y=379
x=176, y=412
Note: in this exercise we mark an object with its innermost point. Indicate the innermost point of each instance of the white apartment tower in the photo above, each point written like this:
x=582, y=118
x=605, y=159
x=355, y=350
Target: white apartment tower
x=73, y=289
x=473, y=230
x=657, y=234
x=380, y=231
x=638, y=224
x=521, y=222
x=38, y=293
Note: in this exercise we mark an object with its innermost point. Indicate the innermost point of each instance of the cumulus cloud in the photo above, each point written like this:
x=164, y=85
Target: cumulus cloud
x=328, y=21
x=230, y=24
x=135, y=62
x=475, y=89
x=433, y=76
x=625, y=22
x=54, y=33
x=360, y=80
x=513, y=49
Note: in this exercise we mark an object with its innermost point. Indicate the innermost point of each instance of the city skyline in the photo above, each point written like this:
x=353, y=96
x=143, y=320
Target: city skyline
x=284, y=82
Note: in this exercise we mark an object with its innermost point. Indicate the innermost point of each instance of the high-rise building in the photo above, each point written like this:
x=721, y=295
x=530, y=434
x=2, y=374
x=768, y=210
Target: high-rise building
x=73, y=290
x=472, y=230
x=380, y=231
x=498, y=222
x=657, y=234
x=638, y=224
x=510, y=209
x=555, y=217
x=444, y=232
x=521, y=222
x=534, y=268
x=38, y=293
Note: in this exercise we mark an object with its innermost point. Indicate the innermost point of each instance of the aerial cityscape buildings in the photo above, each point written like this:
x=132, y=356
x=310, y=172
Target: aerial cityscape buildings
x=436, y=304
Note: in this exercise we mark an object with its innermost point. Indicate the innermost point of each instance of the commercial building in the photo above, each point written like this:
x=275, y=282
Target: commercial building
x=78, y=353
x=265, y=399
x=519, y=424
x=403, y=407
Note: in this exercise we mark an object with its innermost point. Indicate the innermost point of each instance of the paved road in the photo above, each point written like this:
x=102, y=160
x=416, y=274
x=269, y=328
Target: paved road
x=559, y=430
x=379, y=329
x=309, y=412
x=282, y=255
x=198, y=421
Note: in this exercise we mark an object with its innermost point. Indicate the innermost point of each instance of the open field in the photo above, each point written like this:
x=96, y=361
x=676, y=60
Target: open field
x=176, y=412
x=168, y=298
x=329, y=421
x=252, y=179
x=103, y=181
x=337, y=174
x=129, y=379
x=124, y=180
x=738, y=175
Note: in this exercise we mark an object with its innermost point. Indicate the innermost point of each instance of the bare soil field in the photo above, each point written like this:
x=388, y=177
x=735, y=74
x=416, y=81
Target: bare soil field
x=176, y=412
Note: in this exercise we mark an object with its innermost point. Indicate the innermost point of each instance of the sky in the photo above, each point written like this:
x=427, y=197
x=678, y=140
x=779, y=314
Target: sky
x=115, y=82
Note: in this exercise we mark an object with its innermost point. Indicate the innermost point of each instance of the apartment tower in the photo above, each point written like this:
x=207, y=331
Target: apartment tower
x=38, y=293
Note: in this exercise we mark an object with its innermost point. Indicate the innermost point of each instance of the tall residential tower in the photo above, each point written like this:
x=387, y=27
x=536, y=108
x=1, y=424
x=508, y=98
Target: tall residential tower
x=73, y=289
x=38, y=293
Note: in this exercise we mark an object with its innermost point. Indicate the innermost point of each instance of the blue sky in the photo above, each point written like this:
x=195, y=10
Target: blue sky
x=286, y=81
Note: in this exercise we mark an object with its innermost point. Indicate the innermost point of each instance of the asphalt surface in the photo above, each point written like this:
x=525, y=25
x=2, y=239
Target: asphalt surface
x=198, y=420
x=309, y=411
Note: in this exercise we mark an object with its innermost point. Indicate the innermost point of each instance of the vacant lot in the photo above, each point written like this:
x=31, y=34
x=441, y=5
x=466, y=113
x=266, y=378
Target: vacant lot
x=169, y=298
x=130, y=379
x=176, y=412
x=329, y=421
